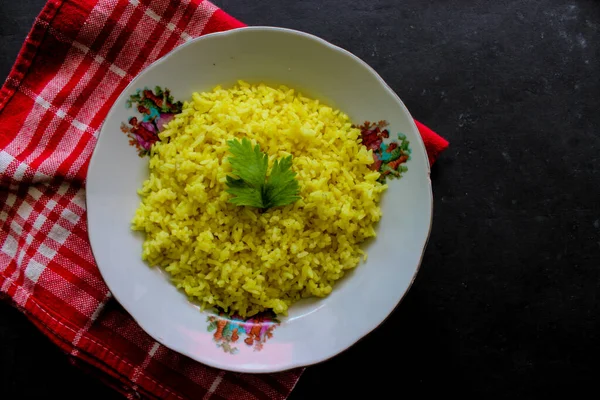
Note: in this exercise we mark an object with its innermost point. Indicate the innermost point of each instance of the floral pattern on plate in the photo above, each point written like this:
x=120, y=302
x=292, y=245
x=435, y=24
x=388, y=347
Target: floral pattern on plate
x=230, y=330
x=157, y=108
x=389, y=157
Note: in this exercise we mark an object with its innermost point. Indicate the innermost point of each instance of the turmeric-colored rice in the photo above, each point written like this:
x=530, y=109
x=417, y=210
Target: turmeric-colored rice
x=238, y=258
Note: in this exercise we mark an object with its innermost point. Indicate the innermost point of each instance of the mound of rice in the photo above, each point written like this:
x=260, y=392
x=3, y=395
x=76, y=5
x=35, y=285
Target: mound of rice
x=238, y=258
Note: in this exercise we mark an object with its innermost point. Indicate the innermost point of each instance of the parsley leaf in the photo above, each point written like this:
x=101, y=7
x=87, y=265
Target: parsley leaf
x=252, y=187
x=245, y=195
x=282, y=188
x=248, y=163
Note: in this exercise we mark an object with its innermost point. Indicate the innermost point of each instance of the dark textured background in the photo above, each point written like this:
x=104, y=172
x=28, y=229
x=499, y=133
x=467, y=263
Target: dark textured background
x=505, y=303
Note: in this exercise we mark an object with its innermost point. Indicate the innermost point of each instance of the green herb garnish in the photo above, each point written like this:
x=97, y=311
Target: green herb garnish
x=253, y=187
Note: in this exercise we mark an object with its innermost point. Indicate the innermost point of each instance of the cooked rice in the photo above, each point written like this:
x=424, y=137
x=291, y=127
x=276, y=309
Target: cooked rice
x=237, y=258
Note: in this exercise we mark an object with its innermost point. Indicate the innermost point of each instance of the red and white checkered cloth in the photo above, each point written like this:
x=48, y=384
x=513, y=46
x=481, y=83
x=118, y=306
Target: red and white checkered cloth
x=78, y=57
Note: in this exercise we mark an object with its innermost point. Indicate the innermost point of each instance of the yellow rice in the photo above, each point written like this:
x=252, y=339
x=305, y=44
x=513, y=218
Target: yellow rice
x=238, y=258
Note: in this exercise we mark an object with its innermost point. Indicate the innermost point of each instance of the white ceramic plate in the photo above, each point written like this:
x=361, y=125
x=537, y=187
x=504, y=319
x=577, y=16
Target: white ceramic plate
x=314, y=330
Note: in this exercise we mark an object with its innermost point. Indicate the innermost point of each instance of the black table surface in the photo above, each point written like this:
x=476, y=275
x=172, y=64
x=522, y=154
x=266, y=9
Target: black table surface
x=505, y=304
